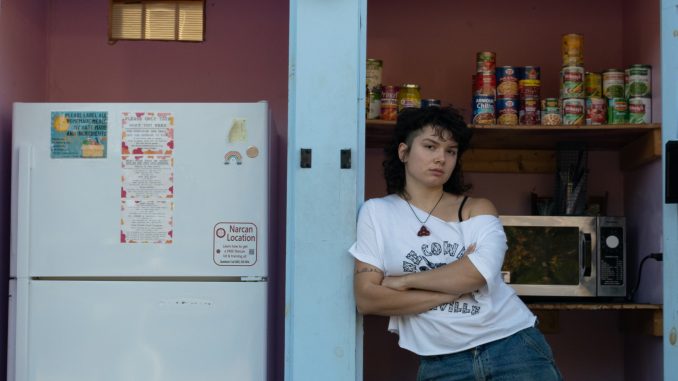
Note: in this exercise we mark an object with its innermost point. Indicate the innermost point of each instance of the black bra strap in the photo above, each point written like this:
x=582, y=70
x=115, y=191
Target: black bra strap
x=461, y=206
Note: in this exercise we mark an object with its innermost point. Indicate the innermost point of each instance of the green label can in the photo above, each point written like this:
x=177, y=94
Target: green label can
x=617, y=111
x=574, y=111
x=373, y=73
x=638, y=81
x=594, y=84
x=640, y=110
x=572, y=82
x=613, y=83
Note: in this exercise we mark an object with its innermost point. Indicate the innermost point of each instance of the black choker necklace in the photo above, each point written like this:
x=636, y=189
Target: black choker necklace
x=423, y=232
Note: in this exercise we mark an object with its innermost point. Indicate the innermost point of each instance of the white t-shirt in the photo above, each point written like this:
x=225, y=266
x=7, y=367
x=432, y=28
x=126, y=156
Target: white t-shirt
x=387, y=239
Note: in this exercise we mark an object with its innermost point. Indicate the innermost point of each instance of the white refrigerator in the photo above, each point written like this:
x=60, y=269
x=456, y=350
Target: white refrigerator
x=139, y=241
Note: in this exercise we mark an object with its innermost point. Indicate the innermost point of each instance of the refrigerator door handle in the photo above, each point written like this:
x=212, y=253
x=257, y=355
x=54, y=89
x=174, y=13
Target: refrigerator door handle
x=23, y=210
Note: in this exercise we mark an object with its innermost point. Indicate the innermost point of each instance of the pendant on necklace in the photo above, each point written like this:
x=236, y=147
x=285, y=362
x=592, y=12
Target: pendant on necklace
x=423, y=232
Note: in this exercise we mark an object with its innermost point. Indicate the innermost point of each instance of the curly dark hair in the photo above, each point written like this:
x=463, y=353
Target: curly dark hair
x=410, y=123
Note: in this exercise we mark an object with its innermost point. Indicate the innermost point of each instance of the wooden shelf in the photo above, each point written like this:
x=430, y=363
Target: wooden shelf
x=636, y=318
x=531, y=149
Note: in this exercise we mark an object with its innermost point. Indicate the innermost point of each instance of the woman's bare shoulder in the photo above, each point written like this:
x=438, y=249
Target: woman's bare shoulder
x=480, y=206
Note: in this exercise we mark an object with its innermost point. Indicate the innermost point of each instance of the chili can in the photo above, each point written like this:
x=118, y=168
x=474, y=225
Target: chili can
x=529, y=111
x=550, y=112
x=389, y=102
x=486, y=62
x=572, y=82
x=483, y=109
x=574, y=111
x=409, y=96
x=638, y=81
x=373, y=73
x=596, y=110
x=529, y=88
x=507, y=111
x=507, y=82
x=613, y=83
x=593, y=84
x=573, y=49
x=640, y=110
x=617, y=111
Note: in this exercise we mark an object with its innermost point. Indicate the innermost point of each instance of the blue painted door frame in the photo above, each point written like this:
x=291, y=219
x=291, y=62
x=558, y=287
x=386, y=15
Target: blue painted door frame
x=669, y=78
x=326, y=116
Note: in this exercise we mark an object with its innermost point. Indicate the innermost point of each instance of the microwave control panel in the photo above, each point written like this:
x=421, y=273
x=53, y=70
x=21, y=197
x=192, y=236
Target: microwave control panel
x=612, y=256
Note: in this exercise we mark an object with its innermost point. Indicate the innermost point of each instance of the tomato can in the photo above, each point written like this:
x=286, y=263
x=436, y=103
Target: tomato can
x=574, y=111
x=507, y=82
x=529, y=72
x=409, y=96
x=638, y=81
x=572, y=82
x=613, y=83
x=389, y=102
x=507, y=111
x=640, y=110
x=550, y=112
x=485, y=84
x=593, y=84
x=529, y=111
x=483, y=109
x=617, y=111
x=573, y=49
x=373, y=73
x=596, y=110
x=486, y=62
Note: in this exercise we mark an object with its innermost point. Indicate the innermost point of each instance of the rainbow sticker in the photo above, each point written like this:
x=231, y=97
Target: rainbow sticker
x=233, y=155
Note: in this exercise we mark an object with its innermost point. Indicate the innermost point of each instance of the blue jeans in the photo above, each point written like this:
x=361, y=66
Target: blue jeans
x=523, y=356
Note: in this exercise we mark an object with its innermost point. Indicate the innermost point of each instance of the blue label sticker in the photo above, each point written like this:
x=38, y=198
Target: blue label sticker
x=79, y=134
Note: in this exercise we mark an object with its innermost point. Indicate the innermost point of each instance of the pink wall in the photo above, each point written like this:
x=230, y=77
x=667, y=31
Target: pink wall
x=433, y=44
x=58, y=51
x=22, y=78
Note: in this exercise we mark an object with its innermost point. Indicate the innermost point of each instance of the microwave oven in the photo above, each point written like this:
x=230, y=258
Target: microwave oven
x=565, y=256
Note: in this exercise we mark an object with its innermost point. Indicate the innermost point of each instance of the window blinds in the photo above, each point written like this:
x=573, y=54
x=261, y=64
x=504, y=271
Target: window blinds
x=157, y=20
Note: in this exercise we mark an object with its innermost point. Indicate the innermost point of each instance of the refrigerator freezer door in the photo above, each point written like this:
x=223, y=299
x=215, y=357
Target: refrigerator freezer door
x=197, y=208
x=112, y=331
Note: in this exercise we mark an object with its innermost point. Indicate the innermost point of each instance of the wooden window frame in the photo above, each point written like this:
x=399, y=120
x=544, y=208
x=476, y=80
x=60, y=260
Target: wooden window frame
x=176, y=38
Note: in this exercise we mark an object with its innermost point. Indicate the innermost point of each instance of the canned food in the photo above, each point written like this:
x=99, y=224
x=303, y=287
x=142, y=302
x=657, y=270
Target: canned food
x=638, y=81
x=574, y=111
x=483, y=109
x=373, y=73
x=486, y=62
x=593, y=84
x=573, y=49
x=529, y=111
x=430, y=103
x=373, y=103
x=529, y=88
x=507, y=111
x=485, y=84
x=617, y=111
x=389, y=102
x=613, y=83
x=409, y=96
x=640, y=110
x=550, y=112
x=596, y=110
x=572, y=82
x=529, y=72
x=507, y=82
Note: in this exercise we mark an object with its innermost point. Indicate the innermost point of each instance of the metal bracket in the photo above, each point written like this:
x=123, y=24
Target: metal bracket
x=346, y=158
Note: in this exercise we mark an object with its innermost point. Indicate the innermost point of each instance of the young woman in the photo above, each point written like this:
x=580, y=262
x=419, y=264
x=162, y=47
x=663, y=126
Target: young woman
x=430, y=258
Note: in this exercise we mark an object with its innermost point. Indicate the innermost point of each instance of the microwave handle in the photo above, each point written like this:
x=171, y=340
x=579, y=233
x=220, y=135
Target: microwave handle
x=586, y=261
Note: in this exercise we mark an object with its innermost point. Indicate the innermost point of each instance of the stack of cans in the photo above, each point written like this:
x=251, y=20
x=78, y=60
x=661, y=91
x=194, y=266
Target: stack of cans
x=484, y=89
x=572, y=75
x=638, y=92
x=613, y=90
x=373, y=88
x=508, y=103
x=529, y=88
